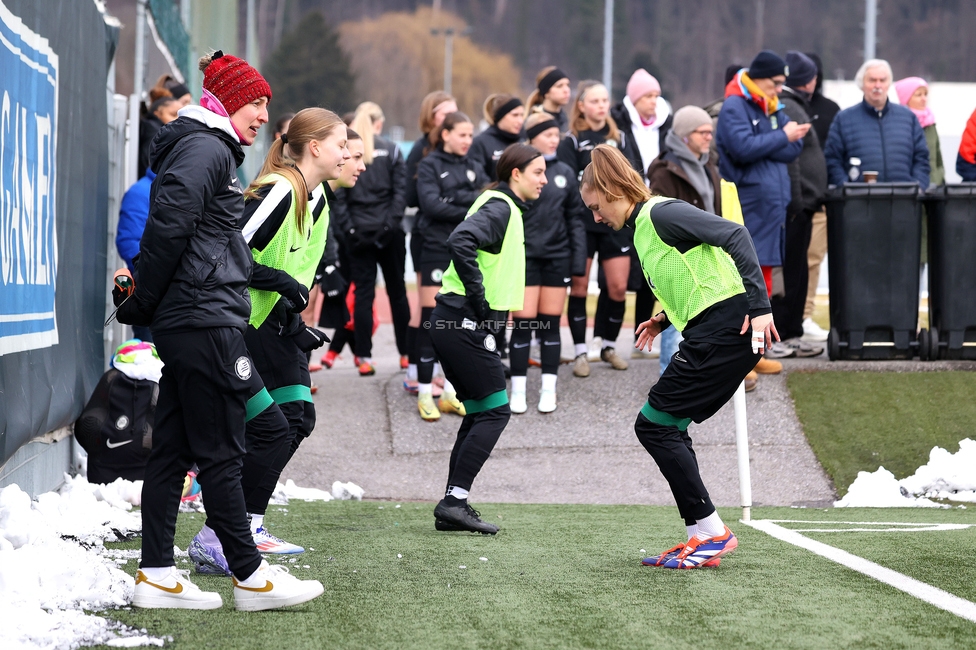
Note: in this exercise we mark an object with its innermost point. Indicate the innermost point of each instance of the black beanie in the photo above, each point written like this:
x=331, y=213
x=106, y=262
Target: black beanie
x=767, y=64
x=802, y=69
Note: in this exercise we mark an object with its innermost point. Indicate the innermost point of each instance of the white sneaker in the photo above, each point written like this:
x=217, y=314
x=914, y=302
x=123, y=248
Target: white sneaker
x=268, y=543
x=812, y=331
x=175, y=591
x=596, y=346
x=271, y=587
x=547, y=401
x=517, y=402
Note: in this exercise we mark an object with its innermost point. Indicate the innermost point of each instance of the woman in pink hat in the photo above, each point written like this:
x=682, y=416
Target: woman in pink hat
x=913, y=92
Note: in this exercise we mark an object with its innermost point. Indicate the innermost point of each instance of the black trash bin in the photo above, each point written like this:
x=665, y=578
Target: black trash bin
x=952, y=271
x=874, y=233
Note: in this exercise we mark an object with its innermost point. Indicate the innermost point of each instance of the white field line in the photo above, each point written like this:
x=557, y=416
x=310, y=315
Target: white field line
x=898, y=527
x=932, y=595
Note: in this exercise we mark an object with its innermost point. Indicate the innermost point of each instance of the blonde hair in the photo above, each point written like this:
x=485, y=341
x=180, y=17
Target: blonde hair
x=577, y=122
x=493, y=103
x=367, y=114
x=537, y=117
x=307, y=125
x=611, y=174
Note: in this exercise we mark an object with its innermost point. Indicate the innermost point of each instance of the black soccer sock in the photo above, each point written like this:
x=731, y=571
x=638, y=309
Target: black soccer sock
x=474, y=446
x=520, y=345
x=549, y=342
x=601, y=317
x=614, y=320
x=412, y=344
x=576, y=313
x=425, y=349
x=643, y=306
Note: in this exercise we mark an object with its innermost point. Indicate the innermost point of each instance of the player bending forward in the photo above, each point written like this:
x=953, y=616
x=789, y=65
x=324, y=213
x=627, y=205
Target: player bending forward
x=705, y=272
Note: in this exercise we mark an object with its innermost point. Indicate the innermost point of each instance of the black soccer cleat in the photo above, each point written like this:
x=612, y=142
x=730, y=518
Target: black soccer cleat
x=461, y=516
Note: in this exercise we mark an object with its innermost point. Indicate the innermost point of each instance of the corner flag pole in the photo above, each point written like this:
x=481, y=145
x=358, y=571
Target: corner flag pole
x=742, y=449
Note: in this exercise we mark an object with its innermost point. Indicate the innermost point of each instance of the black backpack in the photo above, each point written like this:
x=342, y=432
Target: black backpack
x=116, y=427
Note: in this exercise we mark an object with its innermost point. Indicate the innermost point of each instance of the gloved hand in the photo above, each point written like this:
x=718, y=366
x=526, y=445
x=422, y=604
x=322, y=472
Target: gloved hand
x=308, y=338
x=128, y=313
x=482, y=310
x=298, y=296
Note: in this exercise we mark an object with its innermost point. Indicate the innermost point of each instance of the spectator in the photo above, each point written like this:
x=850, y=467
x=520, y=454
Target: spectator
x=822, y=112
x=966, y=159
x=645, y=117
x=898, y=155
x=913, y=93
x=713, y=108
x=808, y=183
x=132, y=221
x=161, y=111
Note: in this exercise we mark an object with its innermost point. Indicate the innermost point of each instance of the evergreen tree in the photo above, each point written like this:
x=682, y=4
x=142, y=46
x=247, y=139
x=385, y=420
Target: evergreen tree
x=309, y=68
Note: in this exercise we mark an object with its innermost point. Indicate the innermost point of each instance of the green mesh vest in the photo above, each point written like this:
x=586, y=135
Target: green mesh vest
x=504, y=273
x=686, y=283
x=291, y=250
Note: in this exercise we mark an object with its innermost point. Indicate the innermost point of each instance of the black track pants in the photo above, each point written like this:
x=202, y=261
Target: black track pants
x=207, y=380
x=391, y=258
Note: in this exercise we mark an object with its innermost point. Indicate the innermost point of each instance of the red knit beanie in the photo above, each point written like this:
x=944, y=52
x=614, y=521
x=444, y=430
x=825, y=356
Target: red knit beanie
x=234, y=82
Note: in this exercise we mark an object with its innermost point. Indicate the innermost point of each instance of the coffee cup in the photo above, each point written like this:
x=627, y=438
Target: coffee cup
x=870, y=177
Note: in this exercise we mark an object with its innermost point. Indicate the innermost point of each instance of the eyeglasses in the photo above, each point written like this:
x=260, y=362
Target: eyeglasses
x=704, y=134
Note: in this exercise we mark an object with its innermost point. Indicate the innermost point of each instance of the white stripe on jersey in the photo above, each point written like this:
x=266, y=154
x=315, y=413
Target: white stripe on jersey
x=281, y=189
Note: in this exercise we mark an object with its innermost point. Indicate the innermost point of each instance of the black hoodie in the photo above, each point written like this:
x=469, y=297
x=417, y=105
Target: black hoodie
x=554, y=223
x=194, y=265
x=488, y=147
x=374, y=206
x=447, y=185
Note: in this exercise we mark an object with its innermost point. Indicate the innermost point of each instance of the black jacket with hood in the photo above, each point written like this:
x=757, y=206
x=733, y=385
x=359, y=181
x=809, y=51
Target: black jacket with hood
x=554, y=223
x=447, y=185
x=628, y=145
x=374, y=207
x=194, y=265
x=484, y=230
x=488, y=147
x=577, y=150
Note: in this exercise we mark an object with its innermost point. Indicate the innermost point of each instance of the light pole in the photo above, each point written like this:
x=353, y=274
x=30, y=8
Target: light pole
x=448, y=52
x=608, y=44
x=870, y=28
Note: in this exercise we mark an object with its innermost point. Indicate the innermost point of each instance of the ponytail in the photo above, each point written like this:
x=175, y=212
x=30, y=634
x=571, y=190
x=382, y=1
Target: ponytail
x=307, y=125
x=611, y=174
x=544, y=81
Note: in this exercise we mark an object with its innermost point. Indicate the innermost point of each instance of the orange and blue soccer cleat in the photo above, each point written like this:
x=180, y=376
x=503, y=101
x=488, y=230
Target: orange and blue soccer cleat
x=697, y=552
x=671, y=553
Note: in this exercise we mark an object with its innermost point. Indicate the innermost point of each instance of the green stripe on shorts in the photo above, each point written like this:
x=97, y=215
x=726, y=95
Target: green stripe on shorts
x=666, y=419
x=493, y=401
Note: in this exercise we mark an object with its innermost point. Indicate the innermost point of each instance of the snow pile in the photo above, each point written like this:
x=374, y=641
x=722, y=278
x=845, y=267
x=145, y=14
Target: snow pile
x=946, y=476
x=340, y=491
x=51, y=564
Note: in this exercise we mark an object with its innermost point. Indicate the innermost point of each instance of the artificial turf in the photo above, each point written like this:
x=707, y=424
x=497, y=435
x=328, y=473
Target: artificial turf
x=570, y=577
x=856, y=421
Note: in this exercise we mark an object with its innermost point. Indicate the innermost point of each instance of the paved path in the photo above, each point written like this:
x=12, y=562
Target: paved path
x=369, y=432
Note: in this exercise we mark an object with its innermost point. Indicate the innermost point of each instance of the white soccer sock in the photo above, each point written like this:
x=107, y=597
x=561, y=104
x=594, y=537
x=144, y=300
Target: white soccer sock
x=437, y=369
x=548, y=382
x=256, y=579
x=610, y=344
x=424, y=389
x=518, y=384
x=449, y=387
x=581, y=349
x=365, y=359
x=457, y=493
x=692, y=530
x=411, y=372
x=710, y=526
x=256, y=522
x=157, y=573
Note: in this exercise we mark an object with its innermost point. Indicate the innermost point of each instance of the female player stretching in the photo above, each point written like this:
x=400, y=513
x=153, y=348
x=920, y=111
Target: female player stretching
x=705, y=272
x=485, y=279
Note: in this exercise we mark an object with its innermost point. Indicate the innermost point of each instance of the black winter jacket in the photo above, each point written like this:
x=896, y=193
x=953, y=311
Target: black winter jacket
x=374, y=207
x=484, y=230
x=447, y=185
x=554, y=223
x=628, y=146
x=413, y=159
x=194, y=265
x=576, y=152
x=808, y=173
x=488, y=146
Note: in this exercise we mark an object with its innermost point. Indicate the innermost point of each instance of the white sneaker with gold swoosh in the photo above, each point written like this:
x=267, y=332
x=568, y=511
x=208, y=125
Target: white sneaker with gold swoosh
x=271, y=587
x=175, y=591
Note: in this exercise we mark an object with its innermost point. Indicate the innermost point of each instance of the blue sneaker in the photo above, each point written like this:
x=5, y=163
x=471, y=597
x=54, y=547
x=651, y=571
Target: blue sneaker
x=208, y=560
x=703, y=552
x=671, y=553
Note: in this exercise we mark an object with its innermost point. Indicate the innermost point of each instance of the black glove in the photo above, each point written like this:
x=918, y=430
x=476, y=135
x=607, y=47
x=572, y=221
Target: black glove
x=129, y=313
x=119, y=295
x=298, y=297
x=309, y=338
x=482, y=310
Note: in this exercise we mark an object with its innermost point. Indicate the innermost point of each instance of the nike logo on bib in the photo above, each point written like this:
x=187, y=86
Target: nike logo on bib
x=294, y=249
x=108, y=443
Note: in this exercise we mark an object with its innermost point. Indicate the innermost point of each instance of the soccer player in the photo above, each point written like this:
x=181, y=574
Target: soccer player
x=704, y=271
x=485, y=279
